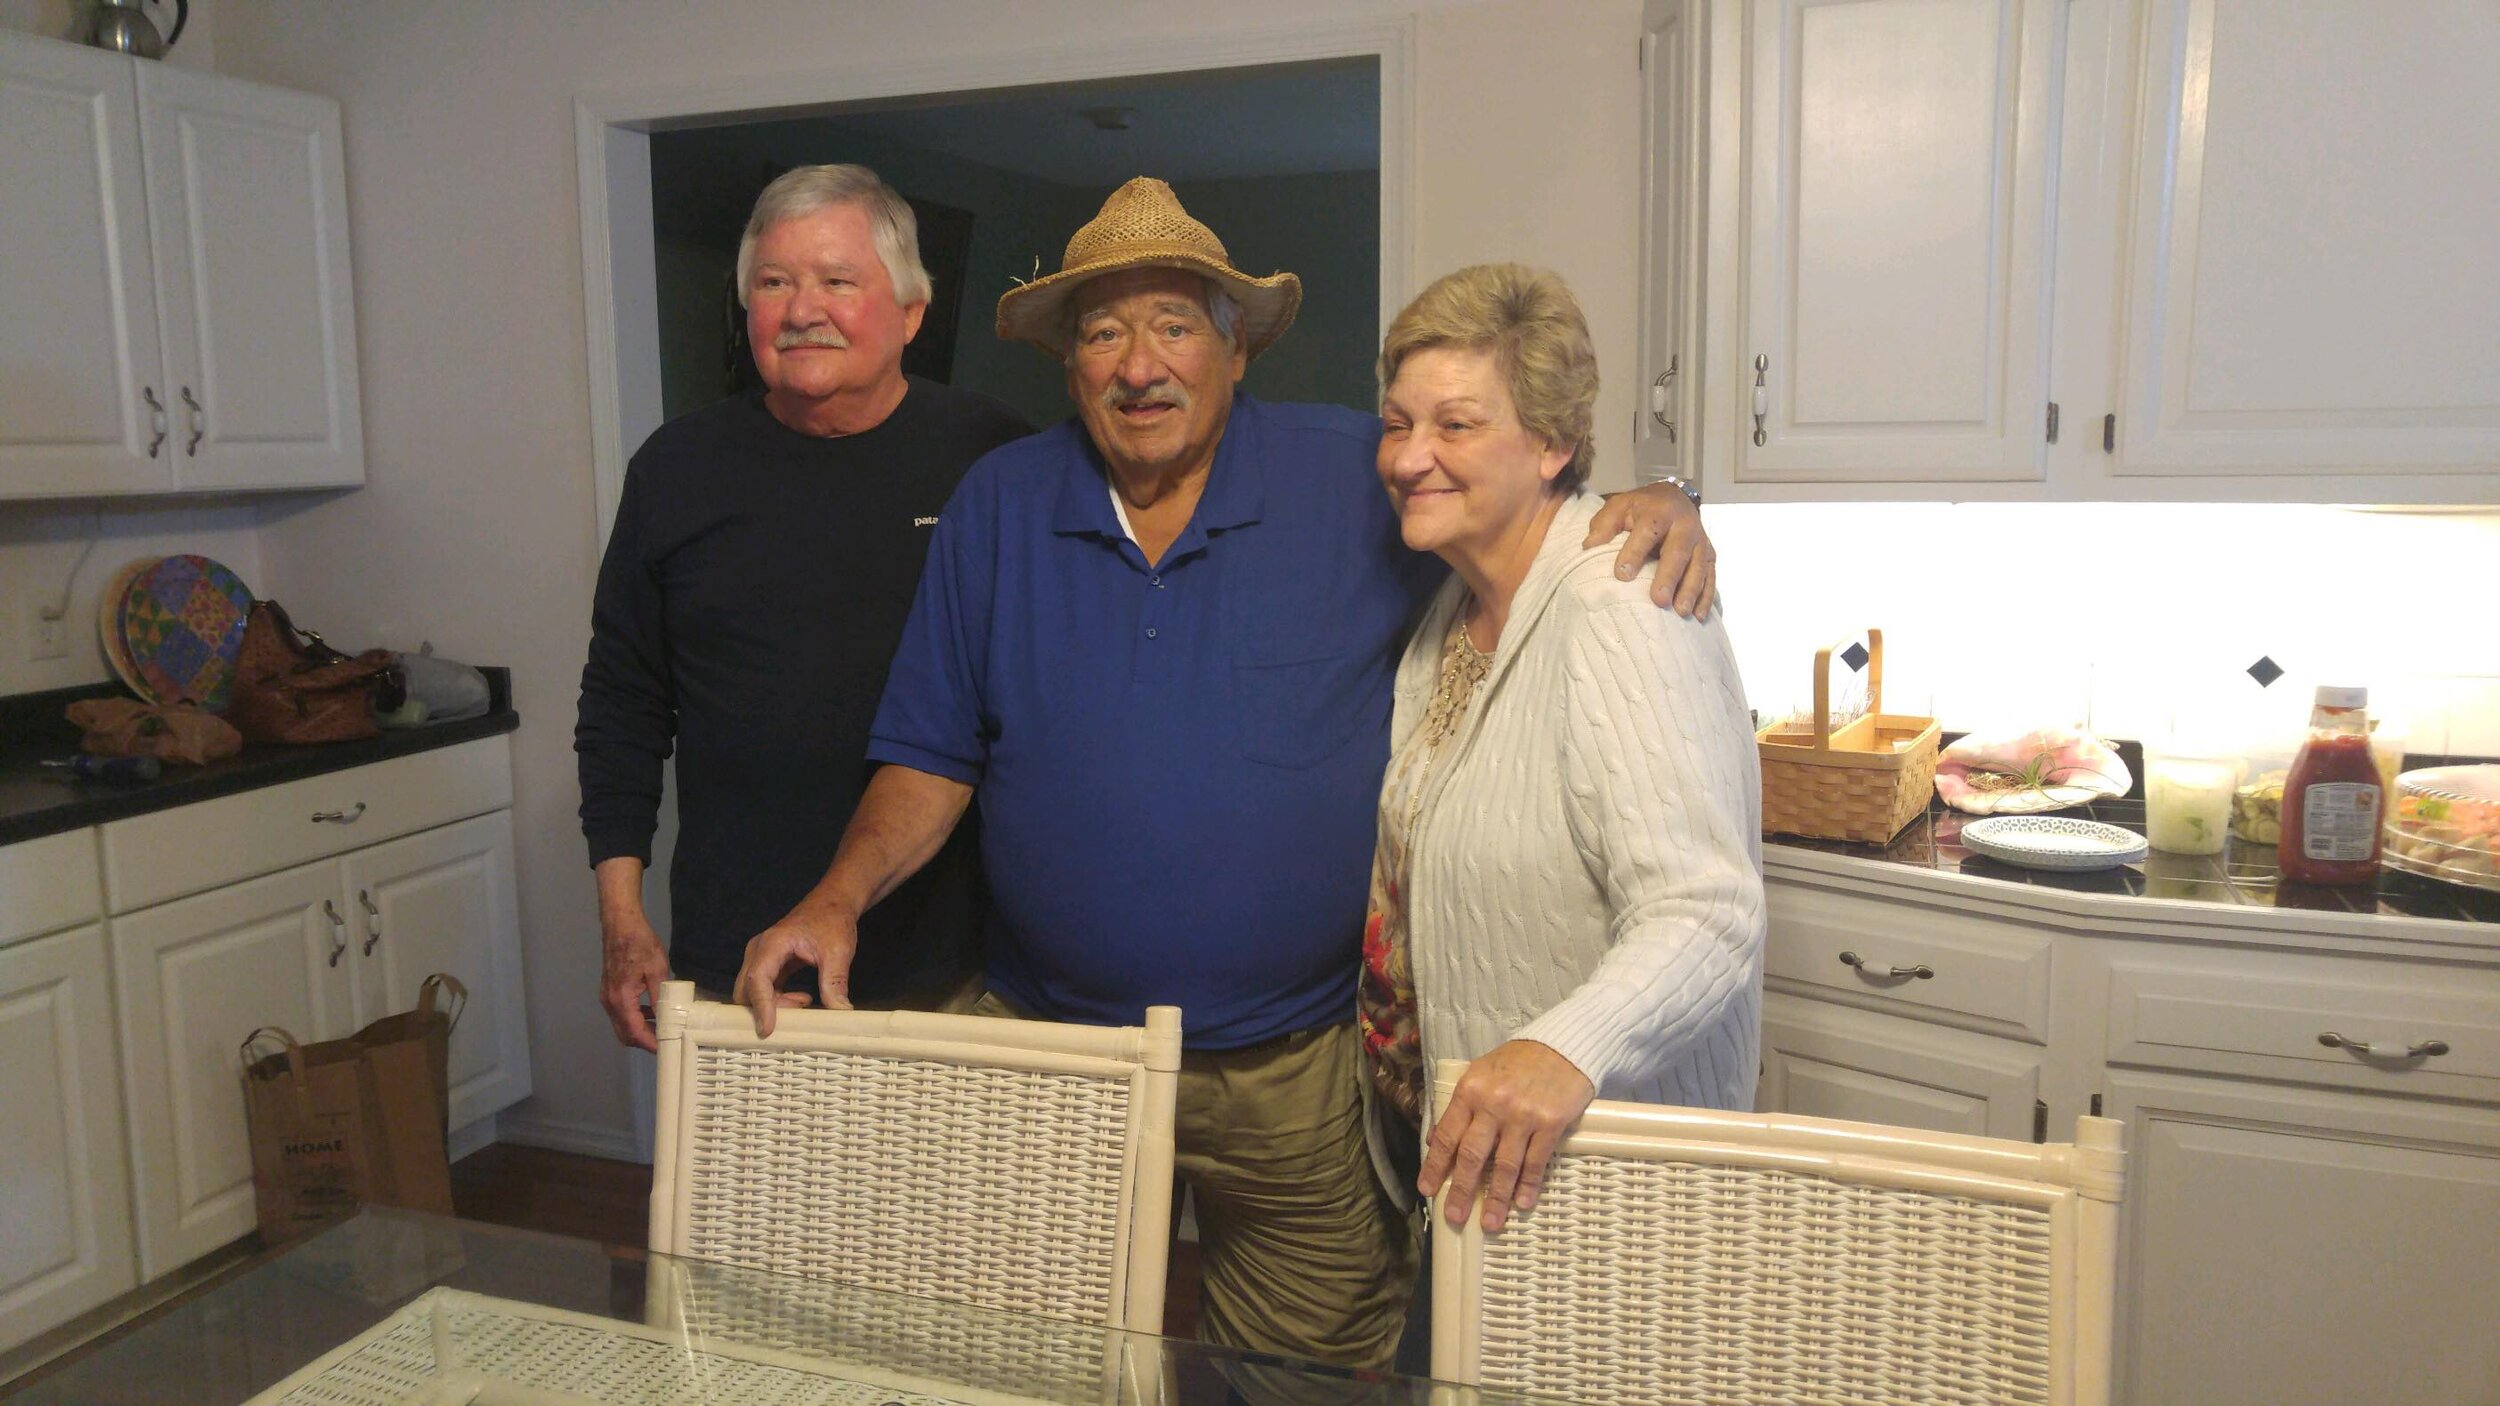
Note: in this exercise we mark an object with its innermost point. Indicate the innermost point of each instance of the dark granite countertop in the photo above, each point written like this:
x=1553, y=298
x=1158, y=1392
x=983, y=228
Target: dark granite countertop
x=2242, y=876
x=37, y=801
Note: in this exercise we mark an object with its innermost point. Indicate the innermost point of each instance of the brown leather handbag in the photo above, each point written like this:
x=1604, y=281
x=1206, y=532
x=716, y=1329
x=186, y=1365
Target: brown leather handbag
x=290, y=686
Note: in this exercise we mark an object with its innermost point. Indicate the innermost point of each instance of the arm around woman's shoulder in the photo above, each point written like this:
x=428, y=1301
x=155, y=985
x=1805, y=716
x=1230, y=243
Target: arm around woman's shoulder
x=1663, y=796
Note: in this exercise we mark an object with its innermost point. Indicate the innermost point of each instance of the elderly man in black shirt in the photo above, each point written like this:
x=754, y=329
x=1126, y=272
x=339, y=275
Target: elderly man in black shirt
x=763, y=559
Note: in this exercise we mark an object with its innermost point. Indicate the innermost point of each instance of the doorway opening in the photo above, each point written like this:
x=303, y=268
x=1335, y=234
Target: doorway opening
x=1292, y=147
x=1282, y=161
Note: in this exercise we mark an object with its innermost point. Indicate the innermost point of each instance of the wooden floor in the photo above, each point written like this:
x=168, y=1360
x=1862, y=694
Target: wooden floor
x=593, y=1198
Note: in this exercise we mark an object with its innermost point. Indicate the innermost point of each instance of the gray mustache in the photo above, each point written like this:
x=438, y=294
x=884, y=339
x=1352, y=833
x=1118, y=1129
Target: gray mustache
x=1118, y=397
x=811, y=337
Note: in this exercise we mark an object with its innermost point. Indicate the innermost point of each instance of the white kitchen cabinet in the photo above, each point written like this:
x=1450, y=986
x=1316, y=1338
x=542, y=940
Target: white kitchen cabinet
x=2310, y=284
x=65, y=1241
x=443, y=901
x=82, y=383
x=2305, y=1217
x=1670, y=199
x=175, y=297
x=192, y=979
x=316, y=905
x=2286, y=1244
x=1896, y=239
x=400, y=869
x=2088, y=250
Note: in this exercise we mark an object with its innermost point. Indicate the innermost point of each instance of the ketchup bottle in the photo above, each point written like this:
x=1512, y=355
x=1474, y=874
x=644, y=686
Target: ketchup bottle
x=2332, y=801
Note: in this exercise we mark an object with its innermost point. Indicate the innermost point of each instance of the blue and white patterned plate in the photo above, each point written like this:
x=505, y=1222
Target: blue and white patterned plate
x=2053, y=842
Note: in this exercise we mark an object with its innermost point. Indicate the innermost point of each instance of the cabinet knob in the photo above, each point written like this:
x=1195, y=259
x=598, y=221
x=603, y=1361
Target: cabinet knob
x=2419, y=1049
x=339, y=817
x=1661, y=400
x=199, y=424
x=1921, y=972
x=373, y=921
x=338, y=931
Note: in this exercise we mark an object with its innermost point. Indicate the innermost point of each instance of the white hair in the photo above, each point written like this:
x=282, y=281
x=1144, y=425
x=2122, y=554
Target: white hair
x=1222, y=310
x=804, y=190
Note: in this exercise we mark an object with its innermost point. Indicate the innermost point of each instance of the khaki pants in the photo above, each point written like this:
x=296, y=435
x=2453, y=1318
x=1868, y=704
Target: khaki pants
x=1300, y=1251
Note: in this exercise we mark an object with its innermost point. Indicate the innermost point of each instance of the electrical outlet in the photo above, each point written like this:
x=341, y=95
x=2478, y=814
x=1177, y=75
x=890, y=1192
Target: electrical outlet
x=45, y=639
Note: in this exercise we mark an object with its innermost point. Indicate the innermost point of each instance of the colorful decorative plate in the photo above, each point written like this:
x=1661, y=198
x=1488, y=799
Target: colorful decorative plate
x=2053, y=842
x=182, y=621
x=108, y=623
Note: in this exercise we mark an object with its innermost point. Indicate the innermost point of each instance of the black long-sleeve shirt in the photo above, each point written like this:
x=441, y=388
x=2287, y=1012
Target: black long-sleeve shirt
x=755, y=584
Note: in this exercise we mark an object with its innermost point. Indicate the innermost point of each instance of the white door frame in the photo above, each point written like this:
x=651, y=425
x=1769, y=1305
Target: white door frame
x=612, y=133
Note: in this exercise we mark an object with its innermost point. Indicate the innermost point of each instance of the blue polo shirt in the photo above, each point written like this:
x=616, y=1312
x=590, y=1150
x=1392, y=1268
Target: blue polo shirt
x=1178, y=765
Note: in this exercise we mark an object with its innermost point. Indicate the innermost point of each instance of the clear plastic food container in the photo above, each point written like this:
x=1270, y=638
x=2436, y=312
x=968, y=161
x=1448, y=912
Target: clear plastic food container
x=2187, y=797
x=2445, y=825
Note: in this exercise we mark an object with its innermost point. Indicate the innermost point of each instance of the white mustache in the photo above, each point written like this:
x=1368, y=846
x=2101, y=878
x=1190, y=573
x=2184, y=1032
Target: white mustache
x=811, y=337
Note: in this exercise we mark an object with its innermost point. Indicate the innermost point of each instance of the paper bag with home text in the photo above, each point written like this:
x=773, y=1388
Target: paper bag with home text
x=339, y=1124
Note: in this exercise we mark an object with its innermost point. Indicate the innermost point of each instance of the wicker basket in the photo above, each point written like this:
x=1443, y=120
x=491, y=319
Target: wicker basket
x=1863, y=781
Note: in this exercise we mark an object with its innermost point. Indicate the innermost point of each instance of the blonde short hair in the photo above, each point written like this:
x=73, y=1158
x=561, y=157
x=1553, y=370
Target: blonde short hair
x=1530, y=322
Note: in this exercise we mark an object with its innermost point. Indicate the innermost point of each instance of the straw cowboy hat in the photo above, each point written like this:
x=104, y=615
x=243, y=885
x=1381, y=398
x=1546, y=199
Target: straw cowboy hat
x=1143, y=225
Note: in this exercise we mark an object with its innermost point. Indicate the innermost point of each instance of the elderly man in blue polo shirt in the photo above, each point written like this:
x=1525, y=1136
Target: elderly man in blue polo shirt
x=1157, y=640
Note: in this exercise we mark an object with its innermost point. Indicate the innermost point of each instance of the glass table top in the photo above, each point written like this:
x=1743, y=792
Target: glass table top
x=393, y=1307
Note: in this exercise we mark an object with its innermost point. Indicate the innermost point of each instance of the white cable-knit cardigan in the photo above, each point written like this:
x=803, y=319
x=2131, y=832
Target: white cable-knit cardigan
x=1586, y=867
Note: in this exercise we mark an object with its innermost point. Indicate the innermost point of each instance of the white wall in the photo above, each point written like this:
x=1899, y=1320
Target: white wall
x=477, y=526
x=2133, y=619
x=41, y=545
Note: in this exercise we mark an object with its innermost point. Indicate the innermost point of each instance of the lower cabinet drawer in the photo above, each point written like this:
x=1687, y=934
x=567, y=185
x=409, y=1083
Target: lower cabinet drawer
x=2355, y=1022
x=1917, y=960
x=47, y=884
x=190, y=849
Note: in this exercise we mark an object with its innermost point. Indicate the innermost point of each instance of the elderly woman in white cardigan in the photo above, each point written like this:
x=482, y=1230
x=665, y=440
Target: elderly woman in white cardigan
x=1568, y=887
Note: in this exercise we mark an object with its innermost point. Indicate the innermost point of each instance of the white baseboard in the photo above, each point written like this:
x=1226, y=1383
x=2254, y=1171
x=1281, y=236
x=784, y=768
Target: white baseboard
x=559, y=1135
x=470, y=1137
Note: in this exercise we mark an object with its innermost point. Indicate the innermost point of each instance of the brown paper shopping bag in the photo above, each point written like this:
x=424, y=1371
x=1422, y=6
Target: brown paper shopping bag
x=359, y=1121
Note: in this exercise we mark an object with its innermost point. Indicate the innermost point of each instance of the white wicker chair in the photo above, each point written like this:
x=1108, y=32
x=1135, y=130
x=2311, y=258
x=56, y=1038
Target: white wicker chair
x=1685, y=1255
x=1007, y=1164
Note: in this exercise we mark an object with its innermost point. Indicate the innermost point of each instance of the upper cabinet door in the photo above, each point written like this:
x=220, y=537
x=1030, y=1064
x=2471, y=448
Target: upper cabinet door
x=1663, y=426
x=2311, y=277
x=1897, y=240
x=248, y=194
x=79, y=355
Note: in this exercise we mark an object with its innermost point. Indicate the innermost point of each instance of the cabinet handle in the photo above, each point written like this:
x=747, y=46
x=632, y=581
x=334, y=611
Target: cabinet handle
x=339, y=817
x=199, y=424
x=1761, y=396
x=1922, y=971
x=2419, y=1049
x=1658, y=398
x=338, y=931
x=156, y=419
x=373, y=921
